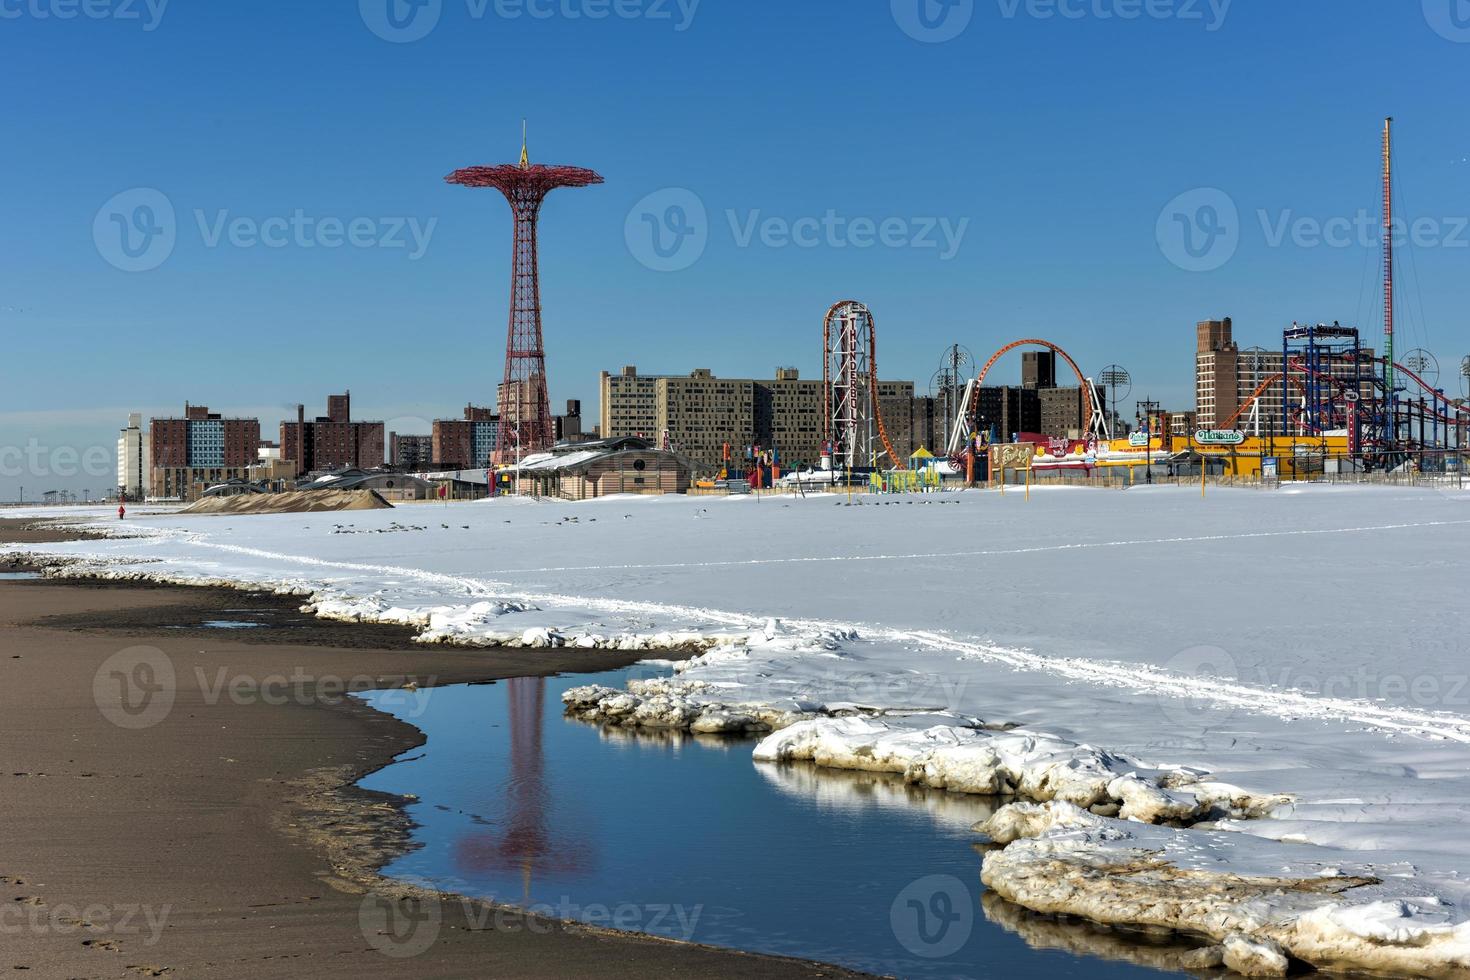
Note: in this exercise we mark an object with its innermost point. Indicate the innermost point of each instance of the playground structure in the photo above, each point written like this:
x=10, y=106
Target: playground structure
x=852, y=416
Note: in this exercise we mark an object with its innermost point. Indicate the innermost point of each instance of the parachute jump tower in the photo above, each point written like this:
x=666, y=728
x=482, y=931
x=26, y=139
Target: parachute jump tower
x=525, y=407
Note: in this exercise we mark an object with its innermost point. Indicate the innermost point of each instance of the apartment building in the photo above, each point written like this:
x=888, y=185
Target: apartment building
x=466, y=443
x=333, y=441
x=629, y=405
x=134, y=460
x=410, y=452
x=700, y=414
x=201, y=448
x=1225, y=377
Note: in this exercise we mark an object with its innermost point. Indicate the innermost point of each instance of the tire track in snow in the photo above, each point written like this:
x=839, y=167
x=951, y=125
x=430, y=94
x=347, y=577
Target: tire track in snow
x=992, y=553
x=1286, y=704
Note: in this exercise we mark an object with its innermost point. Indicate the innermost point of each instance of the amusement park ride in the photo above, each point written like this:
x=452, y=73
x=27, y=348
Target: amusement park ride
x=1336, y=400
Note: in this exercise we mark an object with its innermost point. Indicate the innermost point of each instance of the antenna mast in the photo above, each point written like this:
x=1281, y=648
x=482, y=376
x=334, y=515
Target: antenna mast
x=1388, y=373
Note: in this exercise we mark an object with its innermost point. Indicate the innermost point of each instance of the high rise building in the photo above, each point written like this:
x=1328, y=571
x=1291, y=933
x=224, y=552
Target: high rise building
x=200, y=449
x=333, y=441
x=629, y=405
x=134, y=466
x=1225, y=378
x=1038, y=369
x=466, y=443
x=700, y=414
x=410, y=452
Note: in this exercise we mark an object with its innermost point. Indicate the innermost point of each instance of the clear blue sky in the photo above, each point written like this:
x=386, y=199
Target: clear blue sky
x=1058, y=139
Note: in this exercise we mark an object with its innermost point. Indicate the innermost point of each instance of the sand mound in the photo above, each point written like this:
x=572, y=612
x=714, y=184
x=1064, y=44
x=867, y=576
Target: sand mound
x=295, y=502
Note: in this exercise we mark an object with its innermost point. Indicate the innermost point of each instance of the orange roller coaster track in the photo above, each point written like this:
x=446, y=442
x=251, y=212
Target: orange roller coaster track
x=1081, y=378
x=827, y=380
x=1296, y=365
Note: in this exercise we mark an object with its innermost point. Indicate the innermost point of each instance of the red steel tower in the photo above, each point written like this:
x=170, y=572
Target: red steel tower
x=525, y=407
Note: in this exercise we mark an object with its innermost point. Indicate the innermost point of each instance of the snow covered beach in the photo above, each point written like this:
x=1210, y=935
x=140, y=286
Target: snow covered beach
x=1282, y=672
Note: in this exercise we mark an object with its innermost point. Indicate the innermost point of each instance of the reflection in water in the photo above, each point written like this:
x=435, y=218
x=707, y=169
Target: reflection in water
x=687, y=838
x=847, y=789
x=527, y=844
x=672, y=737
x=1161, y=950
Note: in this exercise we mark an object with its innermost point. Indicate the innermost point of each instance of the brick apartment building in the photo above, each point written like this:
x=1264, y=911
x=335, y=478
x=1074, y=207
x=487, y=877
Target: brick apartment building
x=334, y=441
x=199, y=448
x=410, y=452
x=466, y=443
x=701, y=414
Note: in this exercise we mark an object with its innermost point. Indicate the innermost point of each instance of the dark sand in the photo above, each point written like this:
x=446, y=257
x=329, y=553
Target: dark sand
x=227, y=839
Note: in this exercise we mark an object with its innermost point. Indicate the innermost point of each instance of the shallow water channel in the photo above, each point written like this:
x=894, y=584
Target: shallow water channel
x=687, y=837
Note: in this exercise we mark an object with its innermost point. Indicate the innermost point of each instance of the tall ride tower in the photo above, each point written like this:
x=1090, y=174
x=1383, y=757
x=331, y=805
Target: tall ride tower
x=525, y=407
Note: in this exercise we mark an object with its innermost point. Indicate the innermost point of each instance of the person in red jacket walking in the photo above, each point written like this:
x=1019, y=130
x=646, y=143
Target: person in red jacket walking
x=121, y=511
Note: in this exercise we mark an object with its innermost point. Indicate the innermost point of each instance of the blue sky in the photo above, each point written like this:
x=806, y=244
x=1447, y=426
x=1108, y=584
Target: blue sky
x=1052, y=138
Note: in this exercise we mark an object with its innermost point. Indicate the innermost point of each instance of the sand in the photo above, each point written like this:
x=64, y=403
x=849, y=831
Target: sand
x=293, y=502
x=227, y=839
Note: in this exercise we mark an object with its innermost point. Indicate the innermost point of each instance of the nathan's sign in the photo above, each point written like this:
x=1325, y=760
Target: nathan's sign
x=1219, y=437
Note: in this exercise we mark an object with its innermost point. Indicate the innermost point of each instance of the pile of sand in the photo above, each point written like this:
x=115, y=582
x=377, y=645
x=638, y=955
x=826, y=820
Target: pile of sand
x=295, y=502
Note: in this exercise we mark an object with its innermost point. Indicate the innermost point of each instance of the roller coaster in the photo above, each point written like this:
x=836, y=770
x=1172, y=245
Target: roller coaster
x=1330, y=385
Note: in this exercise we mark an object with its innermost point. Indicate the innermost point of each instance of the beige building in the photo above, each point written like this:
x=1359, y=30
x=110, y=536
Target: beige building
x=1225, y=377
x=700, y=414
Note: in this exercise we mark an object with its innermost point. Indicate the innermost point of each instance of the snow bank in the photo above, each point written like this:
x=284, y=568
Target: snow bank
x=1262, y=902
x=1031, y=765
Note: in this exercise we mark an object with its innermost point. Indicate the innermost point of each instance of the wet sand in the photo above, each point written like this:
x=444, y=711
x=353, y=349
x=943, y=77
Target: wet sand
x=227, y=839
